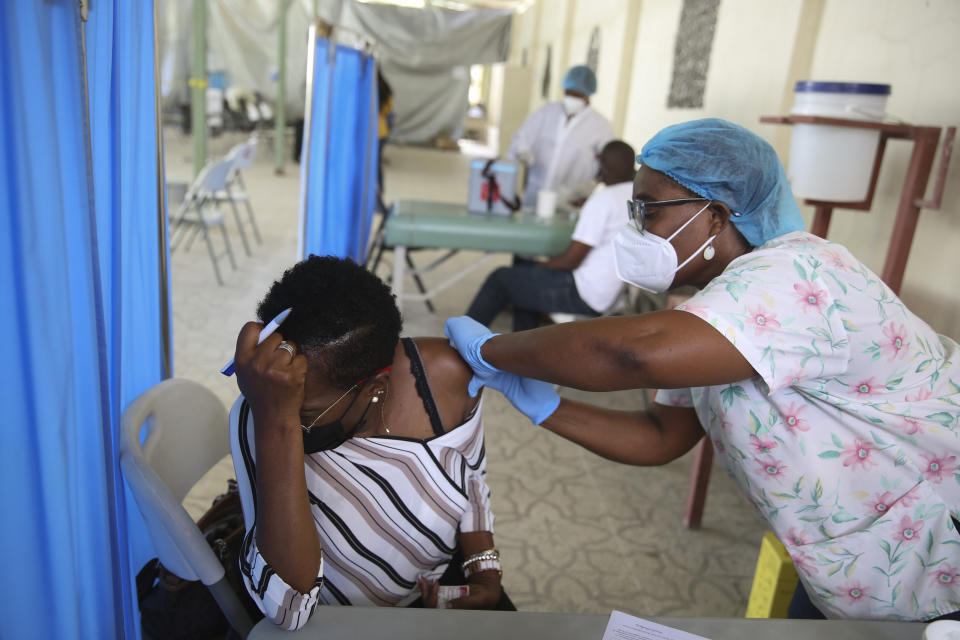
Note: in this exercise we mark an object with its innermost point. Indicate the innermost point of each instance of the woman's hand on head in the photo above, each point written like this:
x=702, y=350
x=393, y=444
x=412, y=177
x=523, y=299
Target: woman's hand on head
x=269, y=378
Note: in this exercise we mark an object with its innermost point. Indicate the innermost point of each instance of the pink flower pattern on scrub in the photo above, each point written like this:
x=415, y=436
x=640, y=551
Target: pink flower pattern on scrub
x=848, y=439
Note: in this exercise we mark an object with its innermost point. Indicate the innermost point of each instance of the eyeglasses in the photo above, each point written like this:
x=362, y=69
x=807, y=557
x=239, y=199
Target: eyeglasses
x=637, y=209
x=345, y=394
x=324, y=412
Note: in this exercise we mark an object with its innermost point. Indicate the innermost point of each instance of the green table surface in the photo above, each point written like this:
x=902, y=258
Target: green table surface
x=442, y=225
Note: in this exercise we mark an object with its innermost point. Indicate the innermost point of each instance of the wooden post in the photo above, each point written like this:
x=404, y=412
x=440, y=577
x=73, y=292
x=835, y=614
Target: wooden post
x=198, y=87
x=821, y=220
x=699, y=479
x=914, y=187
x=280, y=113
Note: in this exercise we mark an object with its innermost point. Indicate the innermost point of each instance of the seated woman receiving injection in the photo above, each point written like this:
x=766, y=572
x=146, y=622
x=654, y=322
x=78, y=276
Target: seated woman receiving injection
x=360, y=456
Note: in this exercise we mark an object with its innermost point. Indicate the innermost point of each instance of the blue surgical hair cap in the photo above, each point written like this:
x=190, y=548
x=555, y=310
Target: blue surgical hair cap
x=580, y=78
x=725, y=162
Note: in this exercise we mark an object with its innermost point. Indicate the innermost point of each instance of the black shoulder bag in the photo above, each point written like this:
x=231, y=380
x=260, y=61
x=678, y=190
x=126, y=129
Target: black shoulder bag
x=172, y=608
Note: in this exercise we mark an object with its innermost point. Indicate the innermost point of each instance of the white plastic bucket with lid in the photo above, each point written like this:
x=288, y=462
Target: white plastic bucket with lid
x=834, y=163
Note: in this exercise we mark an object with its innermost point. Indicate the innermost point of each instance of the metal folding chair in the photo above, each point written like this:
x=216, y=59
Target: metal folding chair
x=199, y=213
x=240, y=157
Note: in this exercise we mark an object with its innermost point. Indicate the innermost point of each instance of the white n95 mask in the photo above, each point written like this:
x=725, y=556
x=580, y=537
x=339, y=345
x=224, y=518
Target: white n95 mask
x=573, y=105
x=648, y=261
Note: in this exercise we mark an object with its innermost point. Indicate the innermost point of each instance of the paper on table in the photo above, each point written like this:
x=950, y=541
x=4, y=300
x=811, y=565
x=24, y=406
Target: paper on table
x=622, y=626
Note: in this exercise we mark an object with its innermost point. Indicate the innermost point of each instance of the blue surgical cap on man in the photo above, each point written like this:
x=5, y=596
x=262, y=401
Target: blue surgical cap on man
x=722, y=161
x=581, y=79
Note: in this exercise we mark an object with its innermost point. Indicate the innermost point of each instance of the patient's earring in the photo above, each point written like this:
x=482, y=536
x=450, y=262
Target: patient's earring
x=375, y=399
x=382, y=423
x=709, y=252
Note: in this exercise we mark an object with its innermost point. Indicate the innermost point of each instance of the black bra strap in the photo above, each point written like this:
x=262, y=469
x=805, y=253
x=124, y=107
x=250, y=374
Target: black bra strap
x=423, y=385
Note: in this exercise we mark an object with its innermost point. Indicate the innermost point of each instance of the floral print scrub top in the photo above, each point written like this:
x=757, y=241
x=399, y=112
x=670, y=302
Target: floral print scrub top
x=848, y=440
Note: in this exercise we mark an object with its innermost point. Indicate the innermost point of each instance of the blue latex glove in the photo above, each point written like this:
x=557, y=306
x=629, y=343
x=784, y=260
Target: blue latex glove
x=467, y=336
x=535, y=399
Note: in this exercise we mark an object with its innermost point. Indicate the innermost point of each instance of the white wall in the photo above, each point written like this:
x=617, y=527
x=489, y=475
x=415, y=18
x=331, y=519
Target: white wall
x=760, y=49
x=914, y=46
x=550, y=22
x=650, y=80
x=752, y=47
x=608, y=16
x=551, y=28
x=523, y=35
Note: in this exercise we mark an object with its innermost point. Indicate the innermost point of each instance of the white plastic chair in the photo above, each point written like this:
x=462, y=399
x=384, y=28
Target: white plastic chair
x=241, y=157
x=184, y=431
x=196, y=213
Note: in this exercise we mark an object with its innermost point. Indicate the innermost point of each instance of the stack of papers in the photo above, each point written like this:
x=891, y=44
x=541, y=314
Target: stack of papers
x=622, y=626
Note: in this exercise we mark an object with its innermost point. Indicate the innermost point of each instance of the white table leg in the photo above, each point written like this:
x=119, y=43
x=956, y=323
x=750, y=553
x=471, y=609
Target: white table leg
x=399, y=269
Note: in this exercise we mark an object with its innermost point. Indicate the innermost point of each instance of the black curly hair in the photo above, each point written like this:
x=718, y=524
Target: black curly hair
x=617, y=160
x=344, y=317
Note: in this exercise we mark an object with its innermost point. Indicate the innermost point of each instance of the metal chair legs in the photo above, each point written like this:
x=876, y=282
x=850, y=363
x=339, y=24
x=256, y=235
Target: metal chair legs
x=181, y=234
x=378, y=246
x=246, y=201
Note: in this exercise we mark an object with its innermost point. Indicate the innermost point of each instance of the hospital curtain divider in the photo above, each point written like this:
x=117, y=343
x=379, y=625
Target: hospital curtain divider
x=165, y=318
x=131, y=228
x=340, y=152
x=82, y=284
x=58, y=521
x=370, y=168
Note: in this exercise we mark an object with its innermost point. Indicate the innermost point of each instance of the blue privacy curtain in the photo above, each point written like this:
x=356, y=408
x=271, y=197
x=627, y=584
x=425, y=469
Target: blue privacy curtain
x=82, y=304
x=58, y=530
x=339, y=163
x=131, y=237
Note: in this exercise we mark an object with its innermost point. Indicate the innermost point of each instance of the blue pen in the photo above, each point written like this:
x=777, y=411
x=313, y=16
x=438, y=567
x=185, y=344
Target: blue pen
x=265, y=333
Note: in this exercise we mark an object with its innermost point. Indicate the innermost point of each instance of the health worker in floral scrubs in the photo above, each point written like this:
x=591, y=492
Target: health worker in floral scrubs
x=833, y=407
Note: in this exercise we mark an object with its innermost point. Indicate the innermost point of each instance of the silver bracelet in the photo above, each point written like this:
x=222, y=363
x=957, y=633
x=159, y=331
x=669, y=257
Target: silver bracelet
x=483, y=561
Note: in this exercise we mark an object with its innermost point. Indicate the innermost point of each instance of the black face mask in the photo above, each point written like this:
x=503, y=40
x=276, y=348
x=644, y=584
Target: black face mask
x=333, y=434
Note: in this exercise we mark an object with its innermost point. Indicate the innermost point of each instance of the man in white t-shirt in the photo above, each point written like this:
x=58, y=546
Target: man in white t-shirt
x=580, y=280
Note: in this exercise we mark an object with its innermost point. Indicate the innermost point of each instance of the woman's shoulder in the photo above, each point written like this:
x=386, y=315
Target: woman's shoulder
x=798, y=243
x=449, y=376
x=443, y=364
x=784, y=252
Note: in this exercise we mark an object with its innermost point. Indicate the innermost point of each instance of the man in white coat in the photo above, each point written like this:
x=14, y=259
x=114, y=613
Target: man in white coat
x=560, y=142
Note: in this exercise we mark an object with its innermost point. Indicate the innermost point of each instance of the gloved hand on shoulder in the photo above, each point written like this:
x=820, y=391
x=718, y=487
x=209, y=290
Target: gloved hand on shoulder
x=535, y=399
x=467, y=336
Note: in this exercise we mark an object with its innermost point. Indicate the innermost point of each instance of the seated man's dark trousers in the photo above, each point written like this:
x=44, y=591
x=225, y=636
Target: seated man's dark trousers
x=532, y=290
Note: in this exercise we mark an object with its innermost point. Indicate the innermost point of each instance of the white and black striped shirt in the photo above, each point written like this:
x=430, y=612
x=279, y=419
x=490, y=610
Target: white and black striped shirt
x=387, y=509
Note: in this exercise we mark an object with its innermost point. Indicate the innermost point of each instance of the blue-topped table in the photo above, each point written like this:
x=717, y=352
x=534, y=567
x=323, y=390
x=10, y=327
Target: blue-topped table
x=442, y=225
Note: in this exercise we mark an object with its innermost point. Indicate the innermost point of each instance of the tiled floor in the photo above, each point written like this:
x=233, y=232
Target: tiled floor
x=577, y=533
